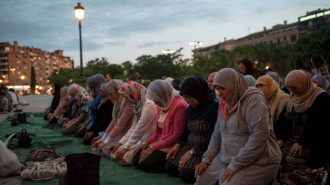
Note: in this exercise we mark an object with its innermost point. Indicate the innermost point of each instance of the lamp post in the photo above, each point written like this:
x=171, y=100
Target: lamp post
x=13, y=71
x=79, y=12
x=23, y=77
x=195, y=43
x=168, y=51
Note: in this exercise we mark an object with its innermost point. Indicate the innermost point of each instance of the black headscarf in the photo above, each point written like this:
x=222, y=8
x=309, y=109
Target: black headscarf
x=197, y=87
x=56, y=98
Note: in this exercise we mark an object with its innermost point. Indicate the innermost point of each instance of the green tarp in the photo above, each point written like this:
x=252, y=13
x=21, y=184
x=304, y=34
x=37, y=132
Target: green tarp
x=110, y=172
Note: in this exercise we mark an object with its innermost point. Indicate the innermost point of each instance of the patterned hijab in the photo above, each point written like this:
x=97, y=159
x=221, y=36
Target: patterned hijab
x=135, y=92
x=77, y=110
x=232, y=80
x=276, y=98
x=161, y=91
x=304, y=86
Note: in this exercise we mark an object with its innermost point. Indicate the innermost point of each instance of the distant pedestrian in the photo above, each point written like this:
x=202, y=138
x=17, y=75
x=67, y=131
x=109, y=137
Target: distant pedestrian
x=3, y=103
x=246, y=68
x=319, y=66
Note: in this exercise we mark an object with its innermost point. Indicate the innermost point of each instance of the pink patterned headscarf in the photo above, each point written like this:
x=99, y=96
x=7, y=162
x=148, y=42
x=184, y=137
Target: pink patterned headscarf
x=135, y=92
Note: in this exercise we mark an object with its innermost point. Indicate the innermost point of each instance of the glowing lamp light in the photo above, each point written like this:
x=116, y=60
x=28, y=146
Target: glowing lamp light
x=267, y=67
x=79, y=12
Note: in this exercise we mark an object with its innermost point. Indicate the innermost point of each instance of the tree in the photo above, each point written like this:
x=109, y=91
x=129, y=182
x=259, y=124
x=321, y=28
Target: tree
x=33, y=80
x=64, y=76
x=317, y=42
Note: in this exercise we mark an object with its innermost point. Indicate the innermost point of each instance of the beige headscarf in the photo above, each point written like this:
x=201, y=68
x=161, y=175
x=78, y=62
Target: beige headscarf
x=304, y=85
x=232, y=80
x=276, y=98
x=118, y=106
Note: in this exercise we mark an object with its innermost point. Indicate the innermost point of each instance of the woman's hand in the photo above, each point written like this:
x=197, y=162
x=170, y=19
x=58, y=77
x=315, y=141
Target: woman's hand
x=145, y=154
x=200, y=168
x=139, y=148
x=295, y=148
x=95, y=139
x=172, y=153
x=120, y=154
x=280, y=143
x=184, y=159
x=100, y=146
x=114, y=148
x=88, y=135
x=227, y=175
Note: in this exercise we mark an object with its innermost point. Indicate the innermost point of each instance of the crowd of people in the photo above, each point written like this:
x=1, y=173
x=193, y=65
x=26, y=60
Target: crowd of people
x=235, y=127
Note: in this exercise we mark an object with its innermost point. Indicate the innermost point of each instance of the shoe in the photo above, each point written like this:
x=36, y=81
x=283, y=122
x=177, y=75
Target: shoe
x=21, y=117
x=14, y=122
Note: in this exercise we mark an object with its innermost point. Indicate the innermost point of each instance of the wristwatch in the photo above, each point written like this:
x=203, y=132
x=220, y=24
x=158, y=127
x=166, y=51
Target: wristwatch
x=126, y=147
x=192, y=152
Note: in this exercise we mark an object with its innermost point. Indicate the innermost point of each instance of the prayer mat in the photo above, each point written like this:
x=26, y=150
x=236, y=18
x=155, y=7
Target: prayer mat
x=110, y=172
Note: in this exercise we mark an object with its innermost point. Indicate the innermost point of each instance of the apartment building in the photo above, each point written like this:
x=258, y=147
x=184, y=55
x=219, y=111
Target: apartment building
x=281, y=34
x=16, y=62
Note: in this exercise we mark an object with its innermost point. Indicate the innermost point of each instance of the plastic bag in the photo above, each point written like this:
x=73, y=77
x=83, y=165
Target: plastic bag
x=44, y=170
x=9, y=164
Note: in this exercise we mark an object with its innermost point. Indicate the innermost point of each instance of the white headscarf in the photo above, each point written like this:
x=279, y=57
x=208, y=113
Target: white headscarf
x=161, y=91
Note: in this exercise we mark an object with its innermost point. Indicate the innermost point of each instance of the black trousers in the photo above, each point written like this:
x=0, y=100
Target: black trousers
x=155, y=163
x=185, y=174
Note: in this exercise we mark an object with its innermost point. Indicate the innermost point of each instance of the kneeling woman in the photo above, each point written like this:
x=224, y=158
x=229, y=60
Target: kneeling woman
x=243, y=147
x=78, y=114
x=170, y=126
x=201, y=118
x=308, y=111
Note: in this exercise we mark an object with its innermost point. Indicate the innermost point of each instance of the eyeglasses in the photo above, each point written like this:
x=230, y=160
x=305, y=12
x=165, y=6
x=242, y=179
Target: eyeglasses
x=187, y=98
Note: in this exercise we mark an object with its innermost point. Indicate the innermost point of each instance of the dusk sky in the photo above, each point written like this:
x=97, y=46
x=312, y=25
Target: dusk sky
x=123, y=30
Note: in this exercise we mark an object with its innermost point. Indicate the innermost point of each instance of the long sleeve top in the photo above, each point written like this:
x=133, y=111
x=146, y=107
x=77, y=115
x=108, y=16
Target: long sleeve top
x=103, y=117
x=247, y=136
x=124, y=121
x=315, y=130
x=211, y=120
x=141, y=129
x=173, y=127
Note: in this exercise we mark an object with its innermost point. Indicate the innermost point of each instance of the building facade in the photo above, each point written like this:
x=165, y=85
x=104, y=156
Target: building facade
x=16, y=62
x=281, y=34
x=313, y=21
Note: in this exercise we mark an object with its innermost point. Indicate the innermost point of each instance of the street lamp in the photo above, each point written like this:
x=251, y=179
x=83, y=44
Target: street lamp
x=79, y=12
x=195, y=43
x=23, y=77
x=13, y=71
x=168, y=51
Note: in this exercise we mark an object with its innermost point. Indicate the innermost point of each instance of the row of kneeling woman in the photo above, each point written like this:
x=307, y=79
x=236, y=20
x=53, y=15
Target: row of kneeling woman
x=240, y=135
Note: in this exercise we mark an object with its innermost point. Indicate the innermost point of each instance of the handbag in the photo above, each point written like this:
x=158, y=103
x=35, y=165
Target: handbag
x=39, y=171
x=41, y=155
x=9, y=163
x=83, y=169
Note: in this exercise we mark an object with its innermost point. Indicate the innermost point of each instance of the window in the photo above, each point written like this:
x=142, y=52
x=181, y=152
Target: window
x=18, y=61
